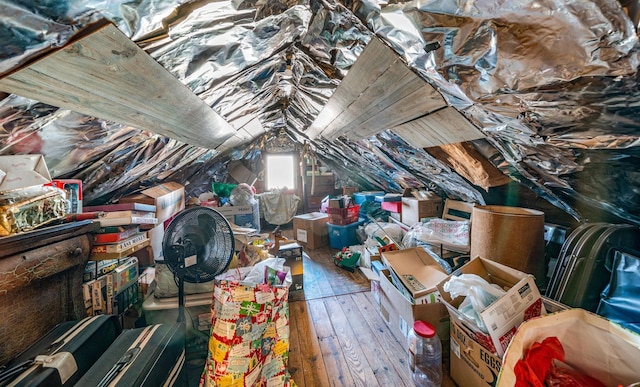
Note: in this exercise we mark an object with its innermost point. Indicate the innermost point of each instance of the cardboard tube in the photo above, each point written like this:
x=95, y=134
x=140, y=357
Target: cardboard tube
x=513, y=236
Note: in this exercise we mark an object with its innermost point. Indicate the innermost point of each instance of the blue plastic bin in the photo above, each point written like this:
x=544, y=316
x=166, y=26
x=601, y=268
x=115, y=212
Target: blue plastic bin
x=343, y=236
x=365, y=196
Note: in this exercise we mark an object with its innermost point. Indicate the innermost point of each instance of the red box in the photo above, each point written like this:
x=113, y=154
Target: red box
x=343, y=216
x=392, y=206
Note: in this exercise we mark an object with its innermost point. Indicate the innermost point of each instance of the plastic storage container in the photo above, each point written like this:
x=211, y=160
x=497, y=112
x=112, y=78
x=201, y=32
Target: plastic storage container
x=365, y=196
x=343, y=236
x=425, y=355
x=344, y=216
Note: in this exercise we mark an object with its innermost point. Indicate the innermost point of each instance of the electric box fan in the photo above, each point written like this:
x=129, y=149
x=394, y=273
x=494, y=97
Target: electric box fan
x=198, y=244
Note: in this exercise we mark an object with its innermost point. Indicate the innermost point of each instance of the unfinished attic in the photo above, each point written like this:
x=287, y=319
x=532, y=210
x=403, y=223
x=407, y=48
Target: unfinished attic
x=319, y=193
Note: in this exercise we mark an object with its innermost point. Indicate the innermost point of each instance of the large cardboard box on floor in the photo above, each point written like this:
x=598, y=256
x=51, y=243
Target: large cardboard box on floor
x=471, y=364
x=415, y=272
x=311, y=230
x=399, y=313
x=521, y=302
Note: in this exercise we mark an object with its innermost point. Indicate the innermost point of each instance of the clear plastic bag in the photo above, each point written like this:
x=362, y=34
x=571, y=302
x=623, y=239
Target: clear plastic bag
x=478, y=293
x=257, y=273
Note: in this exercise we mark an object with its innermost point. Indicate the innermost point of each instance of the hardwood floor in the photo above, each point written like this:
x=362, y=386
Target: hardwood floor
x=337, y=335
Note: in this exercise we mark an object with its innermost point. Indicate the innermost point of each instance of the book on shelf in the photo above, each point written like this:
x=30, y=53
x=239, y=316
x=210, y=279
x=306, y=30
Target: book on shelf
x=127, y=220
x=120, y=245
x=121, y=207
x=115, y=234
x=116, y=229
x=114, y=292
x=115, y=218
x=121, y=254
x=119, y=214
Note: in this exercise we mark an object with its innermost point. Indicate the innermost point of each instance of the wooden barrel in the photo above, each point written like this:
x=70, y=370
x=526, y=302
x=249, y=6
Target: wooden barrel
x=513, y=236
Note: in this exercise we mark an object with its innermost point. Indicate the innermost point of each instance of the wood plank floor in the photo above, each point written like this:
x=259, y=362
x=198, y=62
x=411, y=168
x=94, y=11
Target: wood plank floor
x=337, y=335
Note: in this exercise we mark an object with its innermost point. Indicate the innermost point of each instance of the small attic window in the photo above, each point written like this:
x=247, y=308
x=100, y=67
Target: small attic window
x=280, y=171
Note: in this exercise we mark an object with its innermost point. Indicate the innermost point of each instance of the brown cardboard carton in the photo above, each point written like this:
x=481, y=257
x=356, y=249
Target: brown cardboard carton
x=400, y=314
x=418, y=271
x=414, y=210
x=521, y=302
x=471, y=364
x=310, y=230
x=167, y=197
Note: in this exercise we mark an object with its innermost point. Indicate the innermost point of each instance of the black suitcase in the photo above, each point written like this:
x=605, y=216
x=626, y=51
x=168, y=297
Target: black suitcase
x=151, y=356
x=64, y=354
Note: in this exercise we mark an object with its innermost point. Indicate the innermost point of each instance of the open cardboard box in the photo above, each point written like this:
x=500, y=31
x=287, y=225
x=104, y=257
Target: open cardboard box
x=521, y=302
x=415, y=272
x=400, y=314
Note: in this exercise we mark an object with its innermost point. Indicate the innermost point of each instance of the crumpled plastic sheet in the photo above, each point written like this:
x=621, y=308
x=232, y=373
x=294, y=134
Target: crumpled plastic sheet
x=278, y=207
x=541, y=111
x=29, y=27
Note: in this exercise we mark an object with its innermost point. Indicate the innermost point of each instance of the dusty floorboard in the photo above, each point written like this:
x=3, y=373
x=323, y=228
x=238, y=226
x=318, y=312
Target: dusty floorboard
x=338, y=337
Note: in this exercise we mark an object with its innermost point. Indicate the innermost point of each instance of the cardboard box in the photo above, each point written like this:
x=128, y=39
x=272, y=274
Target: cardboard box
x=416, y=269
x=242, y=216
x=292, y=254
x=73, y=189
x=167, y=197
x=369, y=255
x=414, y=210
x=241, y=174
x=21, y=171
x=400, y=314
x=310, y=230
x=521, y=302
x=471, y=364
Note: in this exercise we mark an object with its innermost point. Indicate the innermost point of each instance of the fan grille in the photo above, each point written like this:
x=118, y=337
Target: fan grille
x=201, y=232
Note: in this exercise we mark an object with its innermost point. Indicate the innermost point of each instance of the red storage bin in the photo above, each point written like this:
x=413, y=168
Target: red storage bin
x=342, y=216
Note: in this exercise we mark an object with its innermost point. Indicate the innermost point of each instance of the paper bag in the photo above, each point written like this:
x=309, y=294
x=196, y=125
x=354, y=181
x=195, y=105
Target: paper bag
x=592, y=344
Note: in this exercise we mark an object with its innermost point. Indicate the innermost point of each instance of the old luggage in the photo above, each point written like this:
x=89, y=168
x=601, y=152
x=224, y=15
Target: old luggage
x=64, y=354
x=149, y=356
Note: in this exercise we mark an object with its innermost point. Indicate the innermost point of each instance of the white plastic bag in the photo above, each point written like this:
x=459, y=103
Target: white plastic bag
x=478, y=293
x=256, y=274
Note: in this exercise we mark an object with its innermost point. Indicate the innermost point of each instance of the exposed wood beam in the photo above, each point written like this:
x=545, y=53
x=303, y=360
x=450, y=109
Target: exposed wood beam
x=378, y=92
x=445, y=126
x=106, y=75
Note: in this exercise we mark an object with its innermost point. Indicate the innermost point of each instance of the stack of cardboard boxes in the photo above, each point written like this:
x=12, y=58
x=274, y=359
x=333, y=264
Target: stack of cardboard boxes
x=168, y=198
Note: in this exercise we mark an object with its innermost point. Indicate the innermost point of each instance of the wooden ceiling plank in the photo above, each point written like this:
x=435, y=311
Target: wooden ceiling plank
x=374, y=60
x=379, y=91
x=445, y=126
x=106, y=75
x=397, y=97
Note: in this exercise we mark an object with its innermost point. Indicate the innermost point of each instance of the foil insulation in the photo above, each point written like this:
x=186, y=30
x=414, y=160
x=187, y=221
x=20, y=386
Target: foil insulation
x=553, y=84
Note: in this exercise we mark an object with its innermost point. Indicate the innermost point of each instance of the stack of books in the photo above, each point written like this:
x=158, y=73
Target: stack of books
x=120, y=234
x=113, y=292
